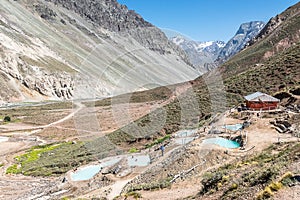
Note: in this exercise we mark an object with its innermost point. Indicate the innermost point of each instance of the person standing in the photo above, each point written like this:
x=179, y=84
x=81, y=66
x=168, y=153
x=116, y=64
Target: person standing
x=162, y=148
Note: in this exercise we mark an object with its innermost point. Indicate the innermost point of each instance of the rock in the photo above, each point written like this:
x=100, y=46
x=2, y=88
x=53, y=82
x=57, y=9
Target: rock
x=45, y=12
x=111, y=15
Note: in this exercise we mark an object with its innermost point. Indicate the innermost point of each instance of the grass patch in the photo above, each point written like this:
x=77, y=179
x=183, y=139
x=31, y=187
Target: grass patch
x=133, y=150
x=14, y=169
x=35, y=152
x=57, y=159
x=159, y=141
x=49, y=63
x=32, y=155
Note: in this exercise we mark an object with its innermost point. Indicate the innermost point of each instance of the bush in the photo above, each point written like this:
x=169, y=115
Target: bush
x=275, y=186
x=7, y=119
x=13, y=169
x=158, y=141
x=133, y=150
x=234, y=186
x=210, y=181
x=287, y=175
x=286, y=179
x=134, y=195
x=266, y=193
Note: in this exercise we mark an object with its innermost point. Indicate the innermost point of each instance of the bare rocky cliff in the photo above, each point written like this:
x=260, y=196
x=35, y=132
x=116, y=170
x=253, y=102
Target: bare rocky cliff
x=246, y=32
x=111, y=15
x=55, y=49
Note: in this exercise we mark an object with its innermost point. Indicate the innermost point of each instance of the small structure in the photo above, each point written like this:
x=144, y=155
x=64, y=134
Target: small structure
x=261, y=101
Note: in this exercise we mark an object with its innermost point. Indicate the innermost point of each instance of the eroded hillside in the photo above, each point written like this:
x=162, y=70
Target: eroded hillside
x=55, y=49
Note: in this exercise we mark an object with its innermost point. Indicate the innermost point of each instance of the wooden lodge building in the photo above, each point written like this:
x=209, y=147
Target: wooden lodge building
x=261, y=101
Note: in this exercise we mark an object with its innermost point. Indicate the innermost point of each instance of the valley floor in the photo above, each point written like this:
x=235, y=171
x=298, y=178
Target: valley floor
x=187, y=162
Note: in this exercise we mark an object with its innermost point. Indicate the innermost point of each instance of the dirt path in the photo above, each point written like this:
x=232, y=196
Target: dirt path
x=79, y=107
x=117, y=187
x=17, y=127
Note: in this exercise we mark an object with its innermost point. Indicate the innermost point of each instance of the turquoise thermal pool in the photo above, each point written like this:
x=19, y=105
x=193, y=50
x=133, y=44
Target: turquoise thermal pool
x=222, y=142
x=88, y=172
x=234, y=127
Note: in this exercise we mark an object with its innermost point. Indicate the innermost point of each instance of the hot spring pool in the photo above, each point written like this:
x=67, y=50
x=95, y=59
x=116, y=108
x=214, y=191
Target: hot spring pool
x=185, y=133
x=88, y=172
x=222, y=142
x=234, y=127
x=140, y=161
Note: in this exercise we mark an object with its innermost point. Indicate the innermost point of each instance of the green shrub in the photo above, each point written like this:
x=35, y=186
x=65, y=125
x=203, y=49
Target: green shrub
x=13, y=169
x=210, y=181
x=7, y=119
x=286, y=179
x=151, y=186
x=135, y=195
x=234, y=186
x=159, y=141
x=275, y=186
x=266, y=193
x=28, y=158
x=287, y=175
x=133, y=150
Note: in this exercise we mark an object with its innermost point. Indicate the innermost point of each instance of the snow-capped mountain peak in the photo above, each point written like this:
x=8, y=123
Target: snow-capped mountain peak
x=199, y=53
x=185, y=43
x=207, y=55
x=203, y=45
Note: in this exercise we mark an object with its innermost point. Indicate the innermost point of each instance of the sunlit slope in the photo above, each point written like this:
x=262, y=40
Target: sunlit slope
x=48, y=51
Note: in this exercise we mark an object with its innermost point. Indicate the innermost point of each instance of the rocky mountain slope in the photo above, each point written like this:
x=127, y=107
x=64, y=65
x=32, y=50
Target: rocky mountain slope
x=246, y=32
x=201, y=54
x=269, y=65
x=265, y=66
x=58, y=48
x=206, y=56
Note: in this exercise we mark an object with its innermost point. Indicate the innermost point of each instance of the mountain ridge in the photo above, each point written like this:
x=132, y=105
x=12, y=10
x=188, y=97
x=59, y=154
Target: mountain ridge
x=246, y=32
x=199, y=53
x=206, y=56
x=54, y=52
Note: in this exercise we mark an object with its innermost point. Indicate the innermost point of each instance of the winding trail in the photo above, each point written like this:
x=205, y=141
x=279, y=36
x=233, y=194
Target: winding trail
x=35, y=129
x=79, y=105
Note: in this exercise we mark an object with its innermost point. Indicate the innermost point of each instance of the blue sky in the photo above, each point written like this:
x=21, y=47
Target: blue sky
x=205, y=20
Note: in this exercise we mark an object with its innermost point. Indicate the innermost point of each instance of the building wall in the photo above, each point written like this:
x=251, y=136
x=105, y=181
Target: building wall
x=252, y=105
